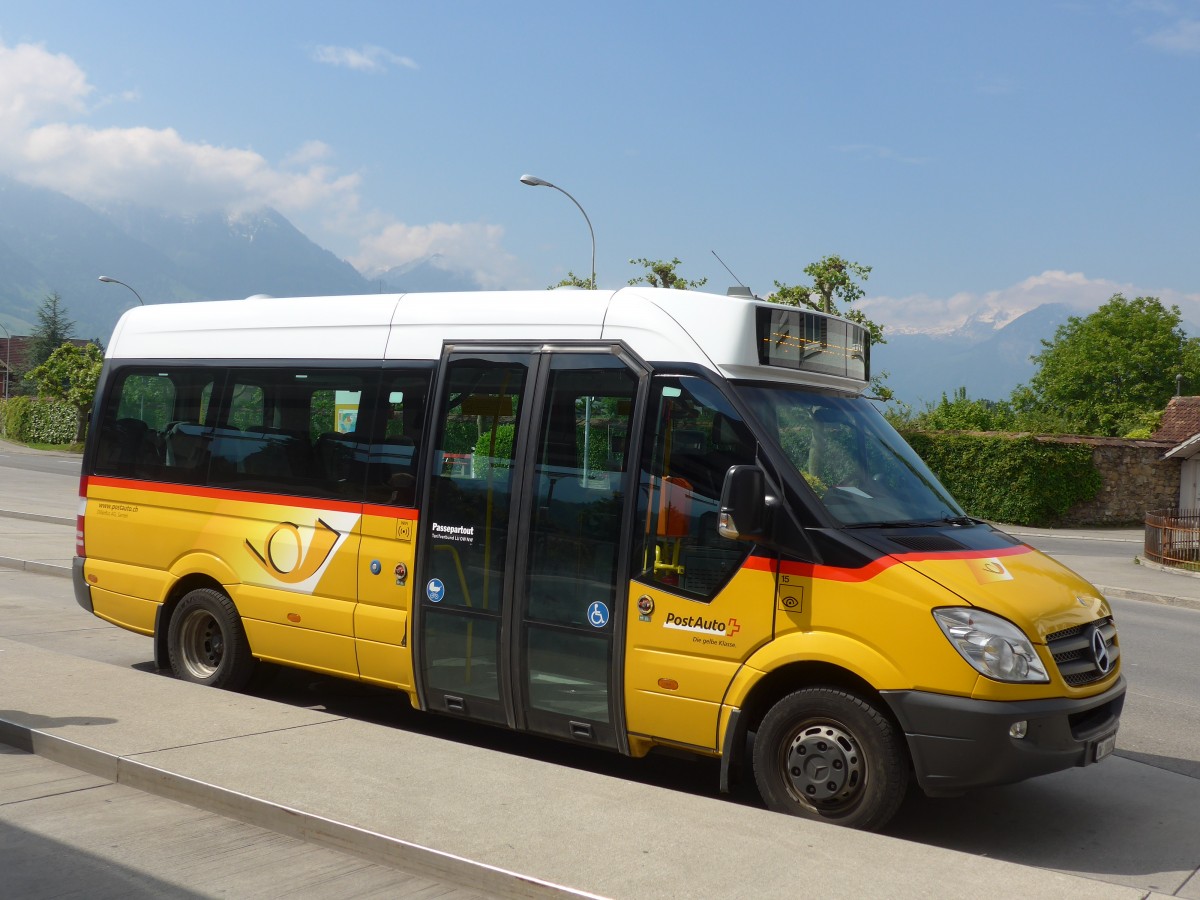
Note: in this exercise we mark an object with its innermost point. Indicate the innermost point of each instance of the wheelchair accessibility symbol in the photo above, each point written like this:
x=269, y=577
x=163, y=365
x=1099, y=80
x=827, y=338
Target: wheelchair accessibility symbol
x=598, y=614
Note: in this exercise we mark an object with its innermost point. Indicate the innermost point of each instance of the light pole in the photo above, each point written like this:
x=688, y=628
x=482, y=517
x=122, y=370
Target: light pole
x=108, y=280
x=533, y=181
x=7, y=360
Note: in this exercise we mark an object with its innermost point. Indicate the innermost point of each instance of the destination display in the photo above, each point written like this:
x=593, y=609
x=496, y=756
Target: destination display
x=791, y=338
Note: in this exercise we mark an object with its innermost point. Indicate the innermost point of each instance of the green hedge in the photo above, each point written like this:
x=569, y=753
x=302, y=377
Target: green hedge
x=1010, y=478
x=33, y=421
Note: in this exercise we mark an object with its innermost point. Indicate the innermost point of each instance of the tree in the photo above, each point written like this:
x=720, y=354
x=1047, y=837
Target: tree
x=70, y=374
x=835, y=287
x=54, y=328
x=1103, y=374
x=961, y=413
x=573, y=280
x=662, y=274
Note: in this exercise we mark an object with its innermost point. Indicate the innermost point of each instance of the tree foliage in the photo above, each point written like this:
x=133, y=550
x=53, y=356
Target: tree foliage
x=1105, y=373
x=53, y=329
x=957, y=413
x=661, y=274
x=70, y=374
x=577, y=281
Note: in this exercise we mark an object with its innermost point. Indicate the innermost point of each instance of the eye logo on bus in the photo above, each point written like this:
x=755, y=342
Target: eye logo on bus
x=284, y=556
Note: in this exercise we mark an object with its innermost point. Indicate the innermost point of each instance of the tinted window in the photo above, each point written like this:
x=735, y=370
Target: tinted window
x=152, y=425
x=275, y=424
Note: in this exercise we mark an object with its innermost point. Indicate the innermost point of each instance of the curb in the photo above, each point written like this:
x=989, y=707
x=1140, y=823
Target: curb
x=369, y=845
x=29, y=565
x=37, y=517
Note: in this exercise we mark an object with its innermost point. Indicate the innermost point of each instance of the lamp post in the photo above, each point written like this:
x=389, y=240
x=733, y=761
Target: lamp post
x=108, y=280
x=533, y=181
x=7, y=360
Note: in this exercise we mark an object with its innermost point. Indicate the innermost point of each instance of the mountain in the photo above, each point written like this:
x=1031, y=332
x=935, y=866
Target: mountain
x=989, y=364
x=51, y=243
x=425, y=274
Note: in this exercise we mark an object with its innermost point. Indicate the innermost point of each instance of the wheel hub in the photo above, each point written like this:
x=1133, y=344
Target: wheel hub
x=823, y=763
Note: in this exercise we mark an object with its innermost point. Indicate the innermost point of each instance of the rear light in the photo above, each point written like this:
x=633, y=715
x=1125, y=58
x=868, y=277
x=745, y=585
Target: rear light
x=80, y=513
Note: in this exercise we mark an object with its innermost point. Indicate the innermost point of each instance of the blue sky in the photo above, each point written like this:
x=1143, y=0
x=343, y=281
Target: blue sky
x=982, y=157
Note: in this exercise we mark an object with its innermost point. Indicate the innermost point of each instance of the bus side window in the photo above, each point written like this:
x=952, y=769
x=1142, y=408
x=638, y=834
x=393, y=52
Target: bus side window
x=291, y=430
x=693, y=437
x=395, y=450
x=143, y=420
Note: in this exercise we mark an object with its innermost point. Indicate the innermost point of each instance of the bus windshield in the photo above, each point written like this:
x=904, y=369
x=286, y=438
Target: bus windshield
x=861, y=469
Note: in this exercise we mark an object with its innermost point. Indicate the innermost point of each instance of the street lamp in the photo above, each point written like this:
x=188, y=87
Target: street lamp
x=108, y=280
x=533, y=181
x=7, y=360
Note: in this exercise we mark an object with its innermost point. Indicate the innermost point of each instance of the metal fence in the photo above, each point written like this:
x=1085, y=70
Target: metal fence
x=1173, y=537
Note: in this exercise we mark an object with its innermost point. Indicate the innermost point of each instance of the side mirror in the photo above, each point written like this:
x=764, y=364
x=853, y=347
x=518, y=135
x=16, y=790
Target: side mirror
x=744, y=504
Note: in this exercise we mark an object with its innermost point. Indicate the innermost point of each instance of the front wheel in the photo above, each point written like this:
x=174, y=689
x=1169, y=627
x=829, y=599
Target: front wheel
x=824, y=753
x=206, y=642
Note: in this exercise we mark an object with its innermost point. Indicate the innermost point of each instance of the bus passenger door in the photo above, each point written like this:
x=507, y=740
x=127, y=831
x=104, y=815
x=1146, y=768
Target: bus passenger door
x=520, y=555
x=568, y=659
x=464, y=549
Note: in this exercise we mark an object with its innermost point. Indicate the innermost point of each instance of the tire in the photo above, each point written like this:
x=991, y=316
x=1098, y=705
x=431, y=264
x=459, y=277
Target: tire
x=822, y=753
x=206, y=642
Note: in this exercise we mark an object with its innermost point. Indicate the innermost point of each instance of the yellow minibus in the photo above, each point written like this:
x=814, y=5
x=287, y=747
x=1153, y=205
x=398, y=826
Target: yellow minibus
x=626, y=519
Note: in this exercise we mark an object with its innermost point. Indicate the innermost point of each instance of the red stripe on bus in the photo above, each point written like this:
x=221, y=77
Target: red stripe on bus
x=874, y=567
x=207, y=493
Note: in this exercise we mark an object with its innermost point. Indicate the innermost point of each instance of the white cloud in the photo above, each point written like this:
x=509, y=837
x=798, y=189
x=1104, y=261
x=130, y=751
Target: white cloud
x=367, y=59
x=937, y=315
x=36, y=85
x=43, y=97
x=473, y=248
x=1182, y=36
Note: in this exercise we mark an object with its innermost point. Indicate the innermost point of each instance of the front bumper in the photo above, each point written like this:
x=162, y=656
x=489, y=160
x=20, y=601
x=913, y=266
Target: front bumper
x=958, y=743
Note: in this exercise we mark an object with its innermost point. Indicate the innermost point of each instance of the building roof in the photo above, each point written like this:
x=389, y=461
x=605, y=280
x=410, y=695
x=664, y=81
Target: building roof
x=1180, y=420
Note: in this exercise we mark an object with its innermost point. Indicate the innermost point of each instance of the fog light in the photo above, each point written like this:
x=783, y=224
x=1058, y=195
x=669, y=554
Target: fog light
x=1018, y=729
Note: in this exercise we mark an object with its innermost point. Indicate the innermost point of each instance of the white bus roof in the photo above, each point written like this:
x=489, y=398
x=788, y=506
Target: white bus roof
x=717, y=332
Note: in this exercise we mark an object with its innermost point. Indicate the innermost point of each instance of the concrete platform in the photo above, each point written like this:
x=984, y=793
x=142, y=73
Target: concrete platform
x=498, y=824
x=68, y=833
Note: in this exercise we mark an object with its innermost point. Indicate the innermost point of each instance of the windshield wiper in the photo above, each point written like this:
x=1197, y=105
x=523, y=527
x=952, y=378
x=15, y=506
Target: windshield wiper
x=913, y=523
x=899, y=524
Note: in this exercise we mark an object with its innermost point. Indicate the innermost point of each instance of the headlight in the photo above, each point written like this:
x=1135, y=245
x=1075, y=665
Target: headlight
x=994, y=646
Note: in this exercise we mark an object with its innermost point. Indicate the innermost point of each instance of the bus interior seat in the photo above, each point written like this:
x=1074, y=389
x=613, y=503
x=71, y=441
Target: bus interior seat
x=186, y=446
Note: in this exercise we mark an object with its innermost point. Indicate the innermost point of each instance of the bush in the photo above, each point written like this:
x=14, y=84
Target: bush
x=484, y=461
x=32, y=421
x=1015, y=479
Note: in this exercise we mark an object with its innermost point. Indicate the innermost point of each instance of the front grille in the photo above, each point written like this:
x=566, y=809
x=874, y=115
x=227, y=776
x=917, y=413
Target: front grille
x=1072, y=651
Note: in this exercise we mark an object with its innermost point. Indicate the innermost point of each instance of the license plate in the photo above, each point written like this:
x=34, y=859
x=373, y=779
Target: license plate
x=1105, y=747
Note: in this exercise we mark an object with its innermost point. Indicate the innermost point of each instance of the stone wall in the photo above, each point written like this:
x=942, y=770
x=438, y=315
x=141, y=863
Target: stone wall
x=1135, y=477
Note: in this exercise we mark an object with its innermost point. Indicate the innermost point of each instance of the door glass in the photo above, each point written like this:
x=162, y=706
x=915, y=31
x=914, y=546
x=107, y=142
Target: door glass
x=580, y=485
x=468, y=518
x=694, y=436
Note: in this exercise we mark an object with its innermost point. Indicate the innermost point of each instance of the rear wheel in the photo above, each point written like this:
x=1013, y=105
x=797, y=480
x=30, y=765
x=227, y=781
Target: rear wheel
x=824, y=753
x=206, y=642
